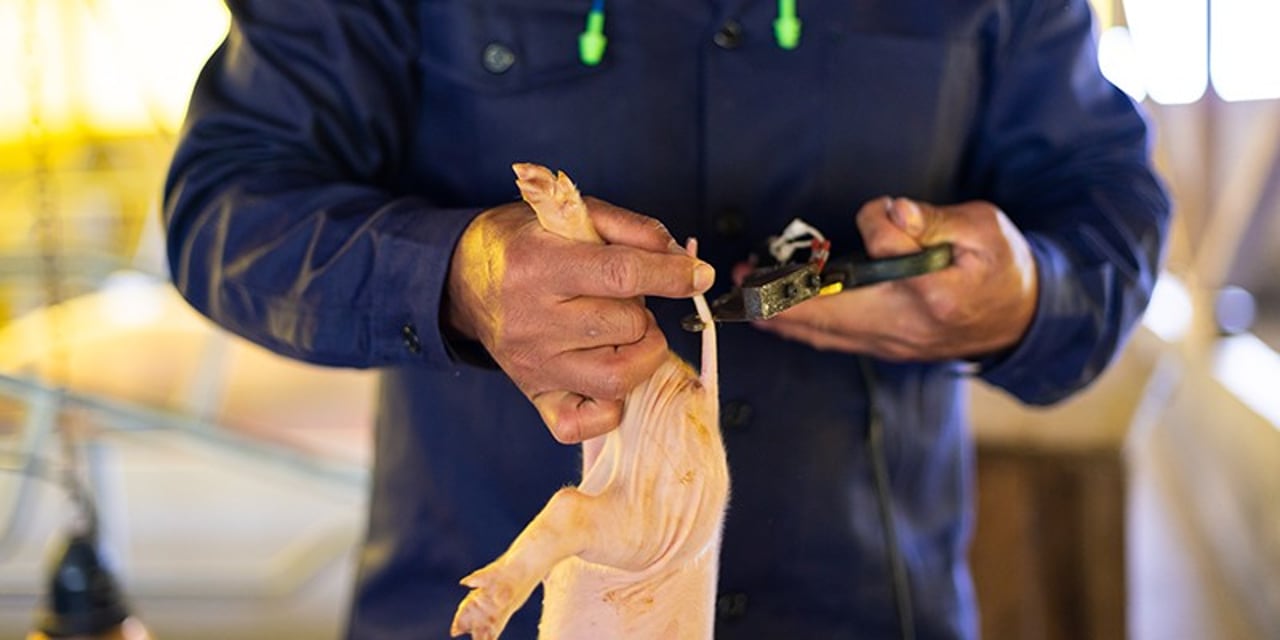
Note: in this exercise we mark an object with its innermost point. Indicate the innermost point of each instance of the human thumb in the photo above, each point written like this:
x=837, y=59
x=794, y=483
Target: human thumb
x=912, y=218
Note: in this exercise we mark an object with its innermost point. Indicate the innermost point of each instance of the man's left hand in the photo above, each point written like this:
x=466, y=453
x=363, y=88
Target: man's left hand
x=980, y=305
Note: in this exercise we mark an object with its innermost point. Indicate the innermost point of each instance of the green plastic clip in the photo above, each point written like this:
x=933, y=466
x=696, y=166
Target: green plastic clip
x=591, y=43
x=786, y=28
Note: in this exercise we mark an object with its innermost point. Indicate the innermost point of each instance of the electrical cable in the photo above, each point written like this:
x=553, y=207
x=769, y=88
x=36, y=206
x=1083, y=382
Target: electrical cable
x=40, y=469
x=48, y=232
x=880, y=473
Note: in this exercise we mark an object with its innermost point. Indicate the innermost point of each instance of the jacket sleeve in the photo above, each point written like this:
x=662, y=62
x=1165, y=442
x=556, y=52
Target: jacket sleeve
x=282, y=215
x=1066, y=156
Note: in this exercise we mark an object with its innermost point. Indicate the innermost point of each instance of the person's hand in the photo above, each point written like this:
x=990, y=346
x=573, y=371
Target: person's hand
x=980, y=305
x=566, y=320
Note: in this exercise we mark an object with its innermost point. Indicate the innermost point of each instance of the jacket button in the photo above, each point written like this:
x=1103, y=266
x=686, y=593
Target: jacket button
x=735, y=415
x=730, y=606
x=497, y=58
x=411, y=341
x=729, y=36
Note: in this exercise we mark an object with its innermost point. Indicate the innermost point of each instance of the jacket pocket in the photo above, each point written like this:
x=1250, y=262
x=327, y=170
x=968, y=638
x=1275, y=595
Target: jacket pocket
x=503, y=46
x=900, y=111
x=497, y=80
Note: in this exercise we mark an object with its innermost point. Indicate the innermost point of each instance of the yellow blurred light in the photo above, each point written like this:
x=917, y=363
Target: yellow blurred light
x=104, y=66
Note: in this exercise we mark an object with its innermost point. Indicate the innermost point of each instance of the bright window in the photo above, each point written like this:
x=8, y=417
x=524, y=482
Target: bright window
x=1172, y=49
x=1170, y=42
x=110, y=66
x=1244, y=60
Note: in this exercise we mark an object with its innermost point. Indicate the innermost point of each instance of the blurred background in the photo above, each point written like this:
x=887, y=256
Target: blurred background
x=228, y=484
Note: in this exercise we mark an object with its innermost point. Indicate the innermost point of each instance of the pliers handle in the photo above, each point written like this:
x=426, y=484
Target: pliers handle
x=769, y=291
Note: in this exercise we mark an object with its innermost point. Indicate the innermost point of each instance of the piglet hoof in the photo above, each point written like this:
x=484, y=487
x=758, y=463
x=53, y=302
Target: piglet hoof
x=485, y=611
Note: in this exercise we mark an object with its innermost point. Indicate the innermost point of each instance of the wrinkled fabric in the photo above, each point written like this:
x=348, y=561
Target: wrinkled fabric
x=335, y=150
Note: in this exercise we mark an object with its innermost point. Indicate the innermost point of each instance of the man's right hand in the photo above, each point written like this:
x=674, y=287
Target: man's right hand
x=566, y=320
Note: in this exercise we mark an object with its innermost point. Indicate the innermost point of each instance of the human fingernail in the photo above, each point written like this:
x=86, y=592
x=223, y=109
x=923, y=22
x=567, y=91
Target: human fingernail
x=906, y=214
x=703, y=275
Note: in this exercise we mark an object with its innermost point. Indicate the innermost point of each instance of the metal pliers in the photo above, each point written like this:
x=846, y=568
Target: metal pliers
x=769, y=291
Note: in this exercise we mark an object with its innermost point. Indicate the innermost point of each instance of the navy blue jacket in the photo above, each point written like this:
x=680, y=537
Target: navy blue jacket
x=335, y=150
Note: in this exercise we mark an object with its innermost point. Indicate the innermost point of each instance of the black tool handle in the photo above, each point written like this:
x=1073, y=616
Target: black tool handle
x=860, y=273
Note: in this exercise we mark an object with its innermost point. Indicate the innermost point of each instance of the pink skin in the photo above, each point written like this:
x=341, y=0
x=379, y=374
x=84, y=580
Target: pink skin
x=633, y=551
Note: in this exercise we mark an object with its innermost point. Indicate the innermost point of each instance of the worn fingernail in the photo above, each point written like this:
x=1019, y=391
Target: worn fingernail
x=674, y=247
x=906, y=214
x=703, y=275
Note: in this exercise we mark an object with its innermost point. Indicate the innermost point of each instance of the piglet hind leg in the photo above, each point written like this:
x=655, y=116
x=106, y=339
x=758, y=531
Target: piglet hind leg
x=565, y=527
x=556, y=202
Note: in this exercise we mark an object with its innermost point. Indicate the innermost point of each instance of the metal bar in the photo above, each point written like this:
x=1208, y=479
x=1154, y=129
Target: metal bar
x=129, y=417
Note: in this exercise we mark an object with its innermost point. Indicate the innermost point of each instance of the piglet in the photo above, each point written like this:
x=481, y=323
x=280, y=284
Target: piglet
x=632, y=551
